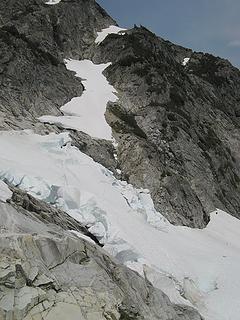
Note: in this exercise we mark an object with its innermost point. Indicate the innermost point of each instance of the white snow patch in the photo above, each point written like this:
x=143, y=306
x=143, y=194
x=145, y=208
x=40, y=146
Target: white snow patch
x=82, y=236
x=185, y=61
x=5, y=193
x=194, y=267
x=86, y=113
x=105, y=32
x=53, y=2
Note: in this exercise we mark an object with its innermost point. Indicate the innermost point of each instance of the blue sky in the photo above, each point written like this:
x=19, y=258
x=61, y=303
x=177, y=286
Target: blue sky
x=203, y=25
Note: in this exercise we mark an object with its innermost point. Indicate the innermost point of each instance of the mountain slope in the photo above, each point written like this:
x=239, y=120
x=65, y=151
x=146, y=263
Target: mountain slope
x=177, y=125
x=73, y=188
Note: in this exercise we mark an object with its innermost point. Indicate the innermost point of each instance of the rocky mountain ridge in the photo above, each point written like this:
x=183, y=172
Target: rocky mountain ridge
x=177, y=125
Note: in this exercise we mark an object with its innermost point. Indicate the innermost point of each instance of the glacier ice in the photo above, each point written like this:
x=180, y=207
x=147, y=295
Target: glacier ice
x=193, y=266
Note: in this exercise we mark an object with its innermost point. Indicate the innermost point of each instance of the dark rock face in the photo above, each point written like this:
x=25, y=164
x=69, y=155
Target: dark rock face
x=31, y=84
x=67, y=29
x=177, y=126
x=101, y=151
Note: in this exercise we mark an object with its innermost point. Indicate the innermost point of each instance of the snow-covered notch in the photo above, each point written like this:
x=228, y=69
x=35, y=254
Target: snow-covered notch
x=105, y=32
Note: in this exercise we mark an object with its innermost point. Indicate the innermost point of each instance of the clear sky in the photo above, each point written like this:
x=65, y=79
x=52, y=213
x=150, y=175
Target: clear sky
x=203, y=25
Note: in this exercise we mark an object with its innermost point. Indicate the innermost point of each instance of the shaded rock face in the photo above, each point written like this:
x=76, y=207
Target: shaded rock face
x=177, y=126
x=67, y=29
x=46, y=272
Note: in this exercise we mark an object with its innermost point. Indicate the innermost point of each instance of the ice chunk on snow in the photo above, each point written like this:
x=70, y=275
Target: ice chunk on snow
x=105, y=32
x=185, y=61
x=86, y=113
x=52, y=2
x=5, y=193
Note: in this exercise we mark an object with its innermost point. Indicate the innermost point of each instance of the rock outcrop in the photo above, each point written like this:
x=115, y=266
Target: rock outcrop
x=177, y=124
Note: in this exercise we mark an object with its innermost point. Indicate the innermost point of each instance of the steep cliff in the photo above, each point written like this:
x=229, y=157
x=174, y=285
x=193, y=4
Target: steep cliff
x=177, y=124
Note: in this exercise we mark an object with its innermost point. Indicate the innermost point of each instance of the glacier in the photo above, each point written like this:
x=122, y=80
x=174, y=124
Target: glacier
x=192, y=266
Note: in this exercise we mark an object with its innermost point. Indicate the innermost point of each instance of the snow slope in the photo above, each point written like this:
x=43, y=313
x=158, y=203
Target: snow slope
x=195, y=267
x=86, y=113
x=5, y=193
x=105, y=32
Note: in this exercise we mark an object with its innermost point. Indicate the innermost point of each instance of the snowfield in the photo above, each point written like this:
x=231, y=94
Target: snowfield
x=110, y=30
x=86, y=113
x=194, y=267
